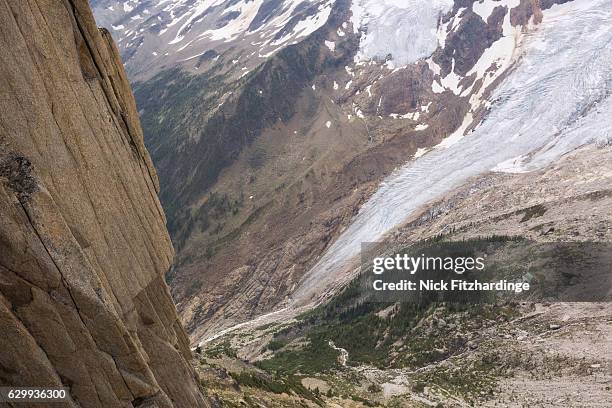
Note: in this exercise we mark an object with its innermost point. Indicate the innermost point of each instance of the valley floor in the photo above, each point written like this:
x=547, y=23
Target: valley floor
x=548, y=356
x=537, y=355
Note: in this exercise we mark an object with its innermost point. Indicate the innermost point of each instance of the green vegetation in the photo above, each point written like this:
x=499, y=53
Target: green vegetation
x=365, y=401
x=392, y=335
x=385, y=335
x=532, y=212
x=476, y=379
x=219, y=350
x=374, y=388
x=266, y=326
x=276, y=345
x=277, y=385
x=316, y=357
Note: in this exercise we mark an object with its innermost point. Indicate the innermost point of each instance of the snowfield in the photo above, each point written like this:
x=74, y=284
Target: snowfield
x=181, y=30
x=406, y=29
x=556, y=99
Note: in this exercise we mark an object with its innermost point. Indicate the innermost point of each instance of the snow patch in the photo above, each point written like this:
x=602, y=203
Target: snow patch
x=436, y=87
x=420, y=152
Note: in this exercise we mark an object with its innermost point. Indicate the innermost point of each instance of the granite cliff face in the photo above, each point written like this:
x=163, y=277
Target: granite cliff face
x=83, y=242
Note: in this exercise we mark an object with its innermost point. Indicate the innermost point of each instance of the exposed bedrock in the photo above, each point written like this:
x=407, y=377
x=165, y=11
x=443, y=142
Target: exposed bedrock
x=83, y=241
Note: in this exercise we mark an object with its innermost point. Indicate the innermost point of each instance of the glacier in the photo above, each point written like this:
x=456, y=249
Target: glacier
x=555, y=100
x=405, y=29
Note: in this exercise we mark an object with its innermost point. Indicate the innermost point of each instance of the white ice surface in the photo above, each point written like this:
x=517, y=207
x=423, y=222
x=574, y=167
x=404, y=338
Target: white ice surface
x=557, y=99
x=406, y=29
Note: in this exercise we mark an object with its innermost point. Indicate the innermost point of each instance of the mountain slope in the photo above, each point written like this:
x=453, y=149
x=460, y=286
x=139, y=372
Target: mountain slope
x=359, y=353
x=538, y=114
x=264, y=158
x=156, y=35
x=84, y=246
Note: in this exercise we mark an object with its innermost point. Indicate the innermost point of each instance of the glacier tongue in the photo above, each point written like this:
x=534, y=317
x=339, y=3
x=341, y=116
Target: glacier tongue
x=557, y=99
x=406, y=29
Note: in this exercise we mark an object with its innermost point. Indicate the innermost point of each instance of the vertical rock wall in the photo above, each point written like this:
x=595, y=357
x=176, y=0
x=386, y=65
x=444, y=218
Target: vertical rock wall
x=83, y=242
